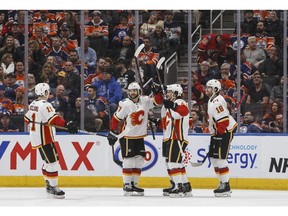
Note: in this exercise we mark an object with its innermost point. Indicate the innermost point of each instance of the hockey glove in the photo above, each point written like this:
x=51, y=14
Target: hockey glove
x=168, y=104
x=72, y=129
x=112, y=138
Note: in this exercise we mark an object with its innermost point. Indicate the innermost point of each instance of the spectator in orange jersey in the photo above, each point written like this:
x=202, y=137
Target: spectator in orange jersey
x=97, y=31
x=97, y=75
x=41, y=38
x=226, y=83
x=148, y=59
x=69, y=39
x=49, y=25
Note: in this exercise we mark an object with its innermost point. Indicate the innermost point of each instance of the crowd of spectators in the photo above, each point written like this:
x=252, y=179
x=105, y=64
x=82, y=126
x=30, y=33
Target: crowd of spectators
x=54, y=57
x=261, y=86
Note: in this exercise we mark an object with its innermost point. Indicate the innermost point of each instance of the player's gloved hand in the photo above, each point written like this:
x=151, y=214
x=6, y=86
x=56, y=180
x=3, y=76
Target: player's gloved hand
x=168, y=104
x=72, y=129
x=112, y=138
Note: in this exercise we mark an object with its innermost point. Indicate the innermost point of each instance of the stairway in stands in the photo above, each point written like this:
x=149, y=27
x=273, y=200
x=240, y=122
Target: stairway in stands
x=228, y=27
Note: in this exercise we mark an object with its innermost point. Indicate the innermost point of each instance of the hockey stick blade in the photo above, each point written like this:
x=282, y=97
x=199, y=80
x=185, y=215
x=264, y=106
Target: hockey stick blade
x=118, y=162
x=194, y=164
x=160, y=62
x=138, y=50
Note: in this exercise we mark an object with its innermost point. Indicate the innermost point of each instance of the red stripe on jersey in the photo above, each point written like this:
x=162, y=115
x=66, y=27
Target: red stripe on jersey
x=221, y=126
x=46, y=135
x=177, y=130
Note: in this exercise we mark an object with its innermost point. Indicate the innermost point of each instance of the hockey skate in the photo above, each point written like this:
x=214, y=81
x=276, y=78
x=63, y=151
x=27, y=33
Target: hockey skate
x=223, y=190
x=136, y=190
x=177, y=192
x=54, y=191
x=187, y=189
x=128, y=191
x=166, y=190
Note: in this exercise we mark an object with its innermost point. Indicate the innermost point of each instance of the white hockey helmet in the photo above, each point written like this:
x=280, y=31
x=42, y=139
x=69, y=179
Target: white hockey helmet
x=214, y=84
x=134, y=86
x=176, y=89
x=41, y=88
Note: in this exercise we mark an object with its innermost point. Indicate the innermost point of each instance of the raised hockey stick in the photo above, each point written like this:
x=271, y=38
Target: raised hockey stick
x=137, y=51
x=160, y=62
x=240, y=101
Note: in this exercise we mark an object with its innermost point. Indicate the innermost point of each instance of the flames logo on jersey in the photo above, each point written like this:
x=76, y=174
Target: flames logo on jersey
x=137, y=117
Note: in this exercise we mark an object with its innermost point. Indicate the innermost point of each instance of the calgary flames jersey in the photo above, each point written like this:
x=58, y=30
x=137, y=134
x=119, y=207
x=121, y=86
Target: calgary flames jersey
x=43, y=112
x=220, y=120
x=135, y=116
x=179, y=129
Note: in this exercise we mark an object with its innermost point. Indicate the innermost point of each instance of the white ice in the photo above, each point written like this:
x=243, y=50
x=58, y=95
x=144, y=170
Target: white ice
x=103, y=198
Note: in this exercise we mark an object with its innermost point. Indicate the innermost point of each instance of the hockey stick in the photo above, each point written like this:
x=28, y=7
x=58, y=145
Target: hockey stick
x=118, y=162
x=195, y=164
x=79, y=131
x=240, y=102
x=137, y=52
x=164, y=95
x=160, y=62
x=90, y=133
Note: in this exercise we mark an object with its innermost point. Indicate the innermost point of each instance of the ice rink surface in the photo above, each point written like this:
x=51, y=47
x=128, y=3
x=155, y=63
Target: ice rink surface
x=91, y=201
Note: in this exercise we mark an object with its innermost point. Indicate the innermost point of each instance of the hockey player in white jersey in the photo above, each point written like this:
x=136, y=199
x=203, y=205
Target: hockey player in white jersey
x=41, y=112
x=175, y=124
x=222, y=127
x=132, y=116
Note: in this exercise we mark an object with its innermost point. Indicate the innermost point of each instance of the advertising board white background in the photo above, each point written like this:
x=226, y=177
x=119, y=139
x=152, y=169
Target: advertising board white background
x=249, y=157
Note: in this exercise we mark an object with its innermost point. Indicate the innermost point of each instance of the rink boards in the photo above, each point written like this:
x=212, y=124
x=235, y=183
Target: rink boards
x=256, y=162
